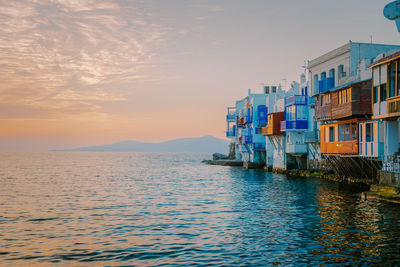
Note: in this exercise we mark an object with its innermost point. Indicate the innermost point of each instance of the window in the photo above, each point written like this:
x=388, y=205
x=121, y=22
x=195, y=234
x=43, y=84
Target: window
x=383, y=92
x=341, y=132
x=316, y=84
x=332, y=76
x=361, y=132
x=392, y=78
x=341, y=72
x=369, y=137
x=323, y=75
x=344, y=96
x=355, y=94
x=331, y=134
x=353, y=131
x=302, y=113
x=375, y=94
x=325, y=100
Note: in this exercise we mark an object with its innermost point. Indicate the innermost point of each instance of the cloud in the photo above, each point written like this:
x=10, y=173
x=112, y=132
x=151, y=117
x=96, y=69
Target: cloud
x=63, y=55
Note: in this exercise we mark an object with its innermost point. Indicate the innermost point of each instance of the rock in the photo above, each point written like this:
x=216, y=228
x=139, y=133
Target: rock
x=218, y=156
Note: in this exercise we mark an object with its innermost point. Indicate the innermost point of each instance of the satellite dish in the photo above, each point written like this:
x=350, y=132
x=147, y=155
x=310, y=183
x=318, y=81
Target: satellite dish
x=392, y=10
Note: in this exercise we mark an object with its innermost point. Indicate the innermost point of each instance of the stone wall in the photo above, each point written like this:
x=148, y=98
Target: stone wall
x=389, y=179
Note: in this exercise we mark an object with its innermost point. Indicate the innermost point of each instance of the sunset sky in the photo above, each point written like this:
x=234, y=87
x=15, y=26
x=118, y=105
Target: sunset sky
x=77, y=73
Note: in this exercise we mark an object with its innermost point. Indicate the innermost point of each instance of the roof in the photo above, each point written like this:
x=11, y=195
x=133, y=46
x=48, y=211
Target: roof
x=386, y=59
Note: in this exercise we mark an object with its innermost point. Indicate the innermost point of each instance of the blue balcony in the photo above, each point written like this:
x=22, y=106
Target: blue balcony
x=231, y=118
x=231, y=115
x=231, y=132
x=294, y=125
x=258, y=146
x=296, y=100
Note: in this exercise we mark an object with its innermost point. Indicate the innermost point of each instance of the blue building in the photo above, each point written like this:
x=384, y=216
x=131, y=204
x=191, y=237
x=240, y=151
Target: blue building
x=250, y=115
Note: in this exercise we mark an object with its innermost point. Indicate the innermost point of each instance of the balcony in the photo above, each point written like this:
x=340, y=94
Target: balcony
x=258, y=146
x=231, y=132
x=296, y=149
x=231, y=114
x=323, y=112
x=296, y=100
x=274, y=124
x=311, y=137
x=393, y=107
x=294, y=125
x=231, y=117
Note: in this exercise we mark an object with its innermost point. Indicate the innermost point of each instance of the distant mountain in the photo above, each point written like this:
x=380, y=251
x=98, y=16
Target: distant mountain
x=200, y=144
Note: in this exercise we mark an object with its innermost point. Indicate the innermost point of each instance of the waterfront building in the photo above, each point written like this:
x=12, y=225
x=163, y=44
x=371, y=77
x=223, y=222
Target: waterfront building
x=296, y=124
x=341, y=84
x=250, y=115
x=275, y=137
x=379, y=138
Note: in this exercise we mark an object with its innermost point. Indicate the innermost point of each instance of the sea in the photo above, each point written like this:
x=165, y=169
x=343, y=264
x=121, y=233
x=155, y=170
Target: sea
x=169, y=209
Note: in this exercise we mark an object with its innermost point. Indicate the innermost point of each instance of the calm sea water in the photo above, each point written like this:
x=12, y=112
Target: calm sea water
x=150, y=209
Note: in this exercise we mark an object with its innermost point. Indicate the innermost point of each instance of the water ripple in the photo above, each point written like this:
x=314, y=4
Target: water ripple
x=168, y=209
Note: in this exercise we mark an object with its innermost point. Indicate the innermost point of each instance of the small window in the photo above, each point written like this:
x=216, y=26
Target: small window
x=347, y=132
x=353, y=131
x=383, y=92
x=369, y=137
x=332, y=134
x=375, y=94
x=341, y=132
x=355, y=94
x=361, y=132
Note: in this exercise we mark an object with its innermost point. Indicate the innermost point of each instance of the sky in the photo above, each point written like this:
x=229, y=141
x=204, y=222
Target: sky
x=77, y=73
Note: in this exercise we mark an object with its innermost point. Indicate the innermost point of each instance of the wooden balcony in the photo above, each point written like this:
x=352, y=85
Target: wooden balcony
x=393, y=107
x=274, y=124
x=323, y=112
x=340, y=138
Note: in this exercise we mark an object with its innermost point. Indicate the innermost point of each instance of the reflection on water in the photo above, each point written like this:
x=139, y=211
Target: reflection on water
x=168, y=209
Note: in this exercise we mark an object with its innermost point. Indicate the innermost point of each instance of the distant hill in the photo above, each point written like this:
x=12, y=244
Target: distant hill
x=200, y=144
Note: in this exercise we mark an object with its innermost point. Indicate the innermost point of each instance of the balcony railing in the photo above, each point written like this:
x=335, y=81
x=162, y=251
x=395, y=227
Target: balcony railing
x=391, y=164
x=294, y=125
x=394, y=106
x=296, y=100
x=231, y=117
